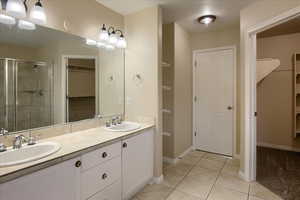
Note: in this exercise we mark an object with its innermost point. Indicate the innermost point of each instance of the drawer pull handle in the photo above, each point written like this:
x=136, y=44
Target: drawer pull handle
x=78, y=163
x=104, y=155
x=124, y=145
x=104, y=176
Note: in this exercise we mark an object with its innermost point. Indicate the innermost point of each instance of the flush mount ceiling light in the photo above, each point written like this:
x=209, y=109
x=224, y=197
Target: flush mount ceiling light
x=207, y=19
x=5, y=19
x=26, y=25
x=37, y=14
x=16, y=8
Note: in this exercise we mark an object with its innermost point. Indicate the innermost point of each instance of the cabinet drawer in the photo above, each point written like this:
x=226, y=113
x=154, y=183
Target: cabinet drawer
x=101, y=155
x=112, y=192
x=99, y=177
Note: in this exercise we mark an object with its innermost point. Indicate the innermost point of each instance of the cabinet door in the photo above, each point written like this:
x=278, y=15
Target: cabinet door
x=60, y=181
x=137, y=162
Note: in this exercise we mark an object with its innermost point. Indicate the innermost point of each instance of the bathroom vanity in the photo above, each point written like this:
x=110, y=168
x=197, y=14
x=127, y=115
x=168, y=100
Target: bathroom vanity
x=94, y=164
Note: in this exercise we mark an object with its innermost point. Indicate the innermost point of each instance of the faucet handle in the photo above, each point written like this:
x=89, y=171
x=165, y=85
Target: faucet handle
x=2, y=148
x=31, y=140
x=3, y=131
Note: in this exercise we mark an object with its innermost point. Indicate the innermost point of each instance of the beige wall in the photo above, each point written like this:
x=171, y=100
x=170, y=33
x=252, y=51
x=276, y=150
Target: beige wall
x=143, y=32
x=220, y=39
x=251, y=16
x=183, y=115
x=276, y=128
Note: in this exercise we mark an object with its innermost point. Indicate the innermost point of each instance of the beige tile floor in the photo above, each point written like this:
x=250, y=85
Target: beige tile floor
x=204, y=176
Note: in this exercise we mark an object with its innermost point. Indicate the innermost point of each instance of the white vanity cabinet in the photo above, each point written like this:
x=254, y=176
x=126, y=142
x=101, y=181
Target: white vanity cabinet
x=137, y=162
x=114, y=172
x=61, y=181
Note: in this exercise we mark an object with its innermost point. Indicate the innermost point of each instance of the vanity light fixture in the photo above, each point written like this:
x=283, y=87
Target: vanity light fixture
x=121, y=43
x=26, y=25
x=8, y=20
x=113, y=39
x=91, y=42
x=104, y=36
x=207, y=19
x=37, y=13
x=16, y=8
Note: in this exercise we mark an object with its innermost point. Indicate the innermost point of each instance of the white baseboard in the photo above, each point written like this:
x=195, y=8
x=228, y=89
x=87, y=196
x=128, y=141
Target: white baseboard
x=175, y=160
x=276, y=146
x=158, y=180
x=170, y=160
x=186, y=152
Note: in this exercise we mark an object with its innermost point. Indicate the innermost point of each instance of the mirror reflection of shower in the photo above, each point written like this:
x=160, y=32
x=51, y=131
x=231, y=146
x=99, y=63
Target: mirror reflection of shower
x=25, y=94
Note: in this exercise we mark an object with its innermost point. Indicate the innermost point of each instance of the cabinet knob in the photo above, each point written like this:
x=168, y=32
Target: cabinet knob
x=78, y=163
x=124, y=145
x=104, y=176
x=104, y=155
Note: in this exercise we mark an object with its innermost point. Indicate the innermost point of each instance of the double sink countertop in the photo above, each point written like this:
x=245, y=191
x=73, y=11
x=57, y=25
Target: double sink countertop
x=72, y=145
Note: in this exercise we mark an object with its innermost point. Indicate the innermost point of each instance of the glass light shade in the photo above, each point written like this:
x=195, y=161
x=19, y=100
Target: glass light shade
x=91, y=42
x=104, y=35
x=38, y=15
x=206, y=20
x=4, y=19
x=100, y=45
x=113, y=39
x=109, y=47
x=122, y=44
x=16, y=8
x=26, y=25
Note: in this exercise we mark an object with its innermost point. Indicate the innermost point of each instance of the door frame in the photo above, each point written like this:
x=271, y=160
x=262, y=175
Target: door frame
x=249, y=128
x=195, y=52
x=64, y=79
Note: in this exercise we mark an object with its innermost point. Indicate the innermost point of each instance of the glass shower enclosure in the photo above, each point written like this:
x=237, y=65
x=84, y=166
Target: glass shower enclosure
x=25, y=94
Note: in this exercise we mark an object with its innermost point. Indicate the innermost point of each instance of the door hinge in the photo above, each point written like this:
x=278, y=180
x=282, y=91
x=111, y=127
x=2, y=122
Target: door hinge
x=195, y=98
x=195, y=133
x=255, y=114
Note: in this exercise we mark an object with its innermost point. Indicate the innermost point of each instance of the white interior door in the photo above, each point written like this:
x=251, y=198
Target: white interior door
x=214, y=88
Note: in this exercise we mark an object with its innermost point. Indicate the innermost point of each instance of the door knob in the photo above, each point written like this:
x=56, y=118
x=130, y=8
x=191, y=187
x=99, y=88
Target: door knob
x=229, y=108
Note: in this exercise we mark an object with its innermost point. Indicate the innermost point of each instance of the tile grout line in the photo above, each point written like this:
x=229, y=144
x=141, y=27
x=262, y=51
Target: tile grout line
x=176, y=185
x=219, y=174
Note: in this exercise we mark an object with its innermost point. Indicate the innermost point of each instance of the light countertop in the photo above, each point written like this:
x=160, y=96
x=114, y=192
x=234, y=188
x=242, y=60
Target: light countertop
x=72, y=145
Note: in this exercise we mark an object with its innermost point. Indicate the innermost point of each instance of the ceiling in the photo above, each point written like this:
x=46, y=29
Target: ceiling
x=289, y=27
x=185, y=12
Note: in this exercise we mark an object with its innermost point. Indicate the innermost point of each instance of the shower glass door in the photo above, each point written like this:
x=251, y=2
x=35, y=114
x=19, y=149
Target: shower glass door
x=33, y=98
x=25, y=94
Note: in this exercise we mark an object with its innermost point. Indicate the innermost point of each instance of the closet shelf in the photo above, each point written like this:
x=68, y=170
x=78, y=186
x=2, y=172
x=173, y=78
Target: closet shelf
x=165, y=64
x=167, y=134
x=167, y=88
x=166, y=111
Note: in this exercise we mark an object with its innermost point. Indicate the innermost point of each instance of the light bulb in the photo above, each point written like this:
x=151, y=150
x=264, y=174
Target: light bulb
x=122, y=44
x=91, y=42
x=100, y=45
x=37, y=14
x=109, y=47
x=26, y=25
x=16, y=8
x=104, y=34
x=113, y=39
x=5, y=19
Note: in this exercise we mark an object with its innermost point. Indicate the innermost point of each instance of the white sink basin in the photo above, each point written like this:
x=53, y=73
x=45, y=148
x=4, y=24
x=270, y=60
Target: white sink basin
x=27, y=153
x=124, y=127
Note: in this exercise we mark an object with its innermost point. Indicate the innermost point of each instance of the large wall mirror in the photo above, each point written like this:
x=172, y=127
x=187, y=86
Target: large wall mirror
x=51, y=77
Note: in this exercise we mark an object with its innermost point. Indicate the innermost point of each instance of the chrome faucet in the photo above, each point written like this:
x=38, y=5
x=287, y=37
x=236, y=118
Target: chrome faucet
x=18, y=142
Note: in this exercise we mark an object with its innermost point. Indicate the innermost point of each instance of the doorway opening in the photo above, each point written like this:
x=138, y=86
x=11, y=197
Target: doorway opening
x=80, y=88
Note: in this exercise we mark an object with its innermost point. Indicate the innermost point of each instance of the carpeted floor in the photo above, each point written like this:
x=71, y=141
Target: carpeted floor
x=279, y=171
